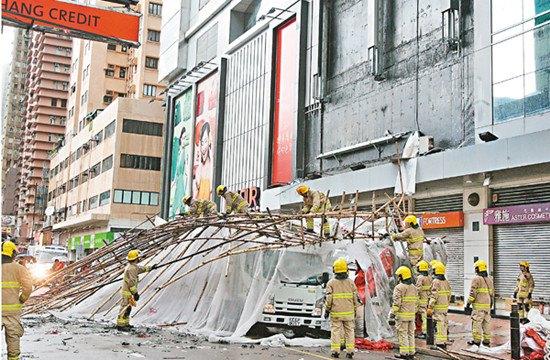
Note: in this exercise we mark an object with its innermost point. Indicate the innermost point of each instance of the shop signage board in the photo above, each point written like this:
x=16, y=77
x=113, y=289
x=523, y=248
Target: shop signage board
x=442, y=220
x=517, y=214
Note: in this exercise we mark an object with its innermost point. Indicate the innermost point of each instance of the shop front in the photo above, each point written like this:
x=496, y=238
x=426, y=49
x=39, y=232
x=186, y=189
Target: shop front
x=80, y=246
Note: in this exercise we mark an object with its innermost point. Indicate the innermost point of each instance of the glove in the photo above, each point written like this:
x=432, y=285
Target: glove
x=429, y=312
x=515, y=295
x=529, y=296
x=136, y=296
x=468, y=309
x=310, y=230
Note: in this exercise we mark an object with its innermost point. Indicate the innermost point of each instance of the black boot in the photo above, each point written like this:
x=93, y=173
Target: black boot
x=349, y=355
x=472, y=342
x=335, y=355
x=400, y=356
x=442, y=346
x=487, y=343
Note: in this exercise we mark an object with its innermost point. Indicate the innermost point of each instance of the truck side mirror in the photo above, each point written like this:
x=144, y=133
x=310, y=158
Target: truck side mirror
x=325, y=278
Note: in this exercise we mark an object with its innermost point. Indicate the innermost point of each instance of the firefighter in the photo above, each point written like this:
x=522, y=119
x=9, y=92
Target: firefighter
x=403, y=311
x=423, y=286
x=234, y=202
x=130, y=294
x=341, y=303
x=414, y=236
x=481, y=299
x=315, y=202
x=524, y=290
x=438, y=306
x=199, y=208
x=16, y=289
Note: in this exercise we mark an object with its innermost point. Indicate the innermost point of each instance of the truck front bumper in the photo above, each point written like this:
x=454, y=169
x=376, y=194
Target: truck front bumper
x=311, y=322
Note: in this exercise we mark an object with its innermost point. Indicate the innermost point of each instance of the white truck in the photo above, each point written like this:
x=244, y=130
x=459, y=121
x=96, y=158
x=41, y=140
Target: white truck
x=45, y=257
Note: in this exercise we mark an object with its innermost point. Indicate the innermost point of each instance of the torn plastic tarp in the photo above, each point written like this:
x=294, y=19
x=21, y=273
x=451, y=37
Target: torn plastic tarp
x=226, y=297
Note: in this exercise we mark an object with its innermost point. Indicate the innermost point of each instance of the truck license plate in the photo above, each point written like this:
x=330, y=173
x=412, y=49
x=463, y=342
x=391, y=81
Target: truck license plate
x=294, y=321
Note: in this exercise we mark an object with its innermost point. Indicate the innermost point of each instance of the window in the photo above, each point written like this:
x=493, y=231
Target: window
x=520, y=68
x=84, y=176
x=95, y=170
x=109, y=129
x=151, y=62
x=155, y=9
x=207, y=44
x=109, y=72
x=86, y=72
x=123, y=48
x=135, y=197
x=63, y=103
x=53, y=102
x=107, y=99
x=84, y=98
x=149, y=90
x=153, y=35
x=71, y=111
x=107, y=164
x=93, y=202
x=111, y=47
x=104, y=198
x=122, y=73
x=141, y=127
x=139, y=162
x=98, y=138
x=73, y=88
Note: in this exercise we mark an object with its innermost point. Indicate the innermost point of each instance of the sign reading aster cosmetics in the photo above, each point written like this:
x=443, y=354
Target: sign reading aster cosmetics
x=206, y=127
x=517, y=214
x=180, y=166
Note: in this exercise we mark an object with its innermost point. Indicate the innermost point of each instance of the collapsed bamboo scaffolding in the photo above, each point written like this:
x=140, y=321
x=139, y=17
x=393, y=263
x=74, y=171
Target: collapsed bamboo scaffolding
x=249, y=233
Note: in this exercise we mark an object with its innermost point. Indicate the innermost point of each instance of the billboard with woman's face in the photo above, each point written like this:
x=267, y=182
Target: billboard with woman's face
x=180, y=167
x=206, y=124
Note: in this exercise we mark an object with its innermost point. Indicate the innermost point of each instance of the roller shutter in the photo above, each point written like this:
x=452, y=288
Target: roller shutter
x=454, y=237
x=513, y=243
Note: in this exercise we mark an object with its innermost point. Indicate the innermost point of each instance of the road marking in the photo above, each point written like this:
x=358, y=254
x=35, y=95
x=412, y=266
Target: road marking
x=308, y=353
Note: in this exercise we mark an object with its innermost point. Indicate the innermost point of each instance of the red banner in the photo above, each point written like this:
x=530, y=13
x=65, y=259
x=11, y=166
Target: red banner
x=70, y=16
x=286, y=104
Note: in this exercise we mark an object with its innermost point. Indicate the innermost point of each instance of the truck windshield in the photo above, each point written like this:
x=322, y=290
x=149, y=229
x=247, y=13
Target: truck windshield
x=50, y=256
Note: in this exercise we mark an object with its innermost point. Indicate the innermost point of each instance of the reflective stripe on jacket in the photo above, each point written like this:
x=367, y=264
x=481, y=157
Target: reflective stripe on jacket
x=234, y=202
x=314, y=202
x=131, y=278
x=202, y=208
x=405, y=301
x=525, y=285
x=16, y=287
x=482, y=291
x=423, y=286
x=440, y=296
x=341, y=299
x=414, y=238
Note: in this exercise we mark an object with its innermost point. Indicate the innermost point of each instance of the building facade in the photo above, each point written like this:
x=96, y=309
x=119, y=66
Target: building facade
x=13, y=120
x=47, y=85
x=105, y=176
x=328, y=92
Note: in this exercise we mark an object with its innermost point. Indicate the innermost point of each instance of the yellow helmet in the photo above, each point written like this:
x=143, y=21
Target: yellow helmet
x=422, y=265
x=187, y=199
x=411, y=219
x=8, y=248
x=302, y=189
x=433, y=263
x=221, y=189
x=403, y=272
x=524, y=263
x=480, y=265
x=133, y=255
x=439, y=268
x=340, y=266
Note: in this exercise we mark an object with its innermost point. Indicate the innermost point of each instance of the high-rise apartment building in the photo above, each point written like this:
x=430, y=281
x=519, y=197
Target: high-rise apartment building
x=105, y=177
x=13, y=120
x=47, y=86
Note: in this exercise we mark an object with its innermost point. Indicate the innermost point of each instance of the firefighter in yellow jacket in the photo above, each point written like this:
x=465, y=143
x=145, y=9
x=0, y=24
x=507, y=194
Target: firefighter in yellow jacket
x=524, y=290
x=414, y=236
x=481, y=296
x=315, y=202
x=341, y=303
x=438, y=306
x=234, y=202
x=16, y=289
x=199, y=208
x=403, y=311
x=423, y=286
x=130, y=294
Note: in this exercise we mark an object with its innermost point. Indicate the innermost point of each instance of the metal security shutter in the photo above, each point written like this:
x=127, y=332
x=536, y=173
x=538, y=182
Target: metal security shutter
x=454, y=238
x=513, y=243
x=439, y=204
x=521, y=195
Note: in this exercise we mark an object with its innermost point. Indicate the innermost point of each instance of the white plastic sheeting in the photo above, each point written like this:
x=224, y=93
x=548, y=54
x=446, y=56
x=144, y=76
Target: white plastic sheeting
x=225, y=298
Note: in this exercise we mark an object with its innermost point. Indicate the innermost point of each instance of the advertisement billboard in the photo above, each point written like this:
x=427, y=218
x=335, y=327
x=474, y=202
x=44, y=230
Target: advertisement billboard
x=206, y=125
x=286, y=105
x=180, y=166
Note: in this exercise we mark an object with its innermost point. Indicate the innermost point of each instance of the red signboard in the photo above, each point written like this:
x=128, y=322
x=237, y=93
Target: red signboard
x=71, y=16
x=286, y=104
x=442, y=220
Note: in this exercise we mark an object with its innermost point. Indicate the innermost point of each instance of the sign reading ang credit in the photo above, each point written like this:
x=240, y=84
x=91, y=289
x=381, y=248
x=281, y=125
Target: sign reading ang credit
x=517, y=214
x=442, y=220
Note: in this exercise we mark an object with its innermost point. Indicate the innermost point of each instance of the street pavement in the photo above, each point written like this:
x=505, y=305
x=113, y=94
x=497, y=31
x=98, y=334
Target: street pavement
x=53, y=339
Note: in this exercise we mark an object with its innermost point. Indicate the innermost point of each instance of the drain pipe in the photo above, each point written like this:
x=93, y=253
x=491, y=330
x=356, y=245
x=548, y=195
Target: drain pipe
x=322, y=70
